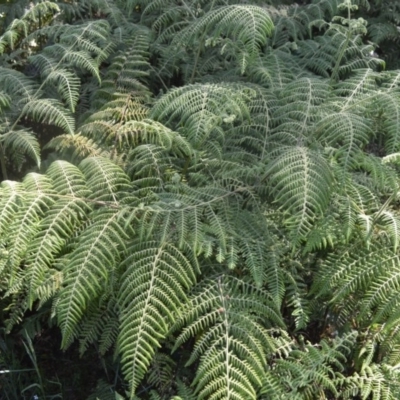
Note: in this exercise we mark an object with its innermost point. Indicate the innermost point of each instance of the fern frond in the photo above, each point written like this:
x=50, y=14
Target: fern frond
x=100, y=324
x=379, y=381
x=154, y=283
x=201, y=109
x=67, y=85
x=54, y=230
x=272, y=70
x=346, y=131
x=161, y=372
x=315, y=369
x=10, y=201
x=232, y=344
x=75, y=147
x=374, y=273
x=104, y=391
x=246, y=25
x=50, y=112
x=17, y=86
x=19, y=143
x=296, y=297
x=105, y=179
x=356, y=86
x=23, y=226
x=87, y=269
x=20, y=28
x=300, y=183
x=78, y=59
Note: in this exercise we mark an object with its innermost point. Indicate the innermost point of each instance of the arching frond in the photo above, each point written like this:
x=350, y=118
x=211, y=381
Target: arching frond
x=300, y=183
x=202, y=109
x=21, y=143
x=232, y=344
x=75, y=147
x=154, y=284
x=246, y=28
x=106, y=180
x=50, y=112
x=87, y=270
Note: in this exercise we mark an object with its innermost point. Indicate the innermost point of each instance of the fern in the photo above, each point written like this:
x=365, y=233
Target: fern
x=215, y=176
x=300, y=181
x=315, y=369
x=155, y=279
x=232, y=344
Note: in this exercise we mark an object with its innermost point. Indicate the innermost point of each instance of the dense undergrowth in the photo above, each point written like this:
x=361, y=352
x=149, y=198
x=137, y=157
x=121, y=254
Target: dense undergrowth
x=199, y=200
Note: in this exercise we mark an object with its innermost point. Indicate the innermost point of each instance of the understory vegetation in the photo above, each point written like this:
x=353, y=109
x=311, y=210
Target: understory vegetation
x=199, y=200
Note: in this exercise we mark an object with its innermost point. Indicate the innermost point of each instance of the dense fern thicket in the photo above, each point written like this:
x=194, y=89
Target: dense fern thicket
x=200, y=200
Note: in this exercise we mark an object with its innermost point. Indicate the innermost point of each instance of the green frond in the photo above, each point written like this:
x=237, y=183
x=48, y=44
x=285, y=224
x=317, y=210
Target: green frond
x=17, y=85
x=67, y=84
x=296, y=297
x=380, y=382
x=105, y=179
x=257, y=246
x=59, y=223
x=134, y=133
x=185, y=392
x=100, y=324
x=246, y=26
x=300, y=100
x=20, y=28
x=289, y=25
x=97, y=30
x=10, y=202
x=376, y=274
x=352, y=90
x=104, y=391
x=202, y=109
x=129, y=69
x=345, y=131
x=153, y=289
x=384, y=107
x=271, y=70
x=51, y=112
x=77, y=59
x=22, y=227
x=115, y=107
x=220, y=177
x=378, y=176
x=313, y=370
x=75, y=147
x=161, y=372
x=200, y=217
x=21, y=143
x=300, y=182
x=232, y=344
x=68, y=179
x=149, y=161
x=87, y=269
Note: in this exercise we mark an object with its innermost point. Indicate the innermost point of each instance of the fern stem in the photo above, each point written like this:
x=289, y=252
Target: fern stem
x=3, y=163
x=159, y=77
x=196, y=61
x=188, y=8
x=379, y=213
x=335, y=72
x=224, y=311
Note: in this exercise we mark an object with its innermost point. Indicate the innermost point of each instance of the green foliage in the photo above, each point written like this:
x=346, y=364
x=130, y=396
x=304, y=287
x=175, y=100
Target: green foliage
x=202, y=196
